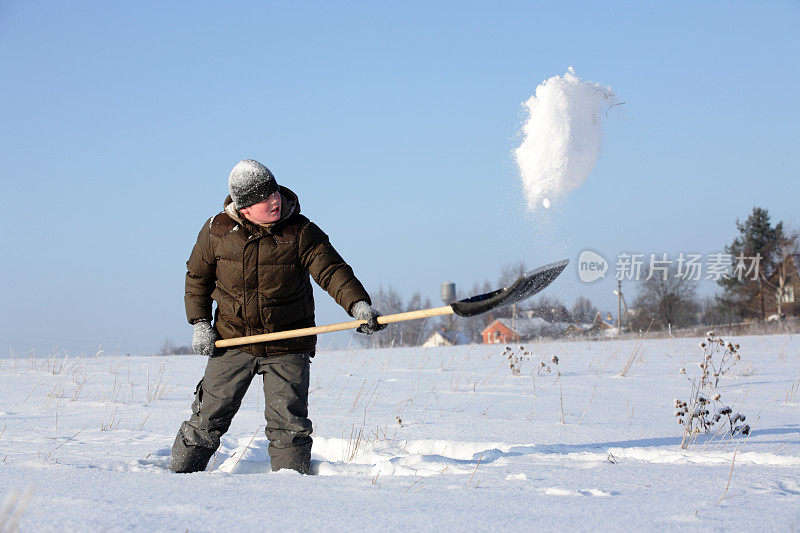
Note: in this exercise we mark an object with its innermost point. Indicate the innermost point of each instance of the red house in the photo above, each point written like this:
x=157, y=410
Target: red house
x=498, y=333
x=506, y=330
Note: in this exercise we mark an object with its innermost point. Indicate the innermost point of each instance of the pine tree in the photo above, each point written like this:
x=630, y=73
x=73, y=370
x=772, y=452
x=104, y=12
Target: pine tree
x=757, y=237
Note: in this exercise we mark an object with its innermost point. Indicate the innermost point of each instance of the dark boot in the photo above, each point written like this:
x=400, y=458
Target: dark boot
x=294, y=458
x=186, y=459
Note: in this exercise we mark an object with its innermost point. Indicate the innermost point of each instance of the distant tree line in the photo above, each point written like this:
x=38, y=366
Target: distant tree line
x=672, y=301
x=169, y=348
x=661, y=301
x=413, y=333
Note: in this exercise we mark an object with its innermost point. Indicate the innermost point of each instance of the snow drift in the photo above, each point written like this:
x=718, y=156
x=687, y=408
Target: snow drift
x=562, y=136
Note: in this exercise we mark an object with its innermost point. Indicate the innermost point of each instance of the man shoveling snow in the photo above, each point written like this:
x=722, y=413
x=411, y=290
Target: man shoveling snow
x=254, y=260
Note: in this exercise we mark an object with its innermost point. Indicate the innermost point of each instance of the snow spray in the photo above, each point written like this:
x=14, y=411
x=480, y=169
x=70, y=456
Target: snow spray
x=562, y=136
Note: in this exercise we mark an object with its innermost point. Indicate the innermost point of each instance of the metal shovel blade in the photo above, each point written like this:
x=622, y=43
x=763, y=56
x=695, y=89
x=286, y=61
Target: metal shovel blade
x=526, y=286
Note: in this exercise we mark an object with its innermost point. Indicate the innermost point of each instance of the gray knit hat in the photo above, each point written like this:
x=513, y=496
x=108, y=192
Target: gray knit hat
x=250, y=182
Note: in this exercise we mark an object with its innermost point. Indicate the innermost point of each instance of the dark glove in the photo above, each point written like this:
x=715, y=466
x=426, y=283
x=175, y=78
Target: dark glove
x=363, y=311
x=203, y=338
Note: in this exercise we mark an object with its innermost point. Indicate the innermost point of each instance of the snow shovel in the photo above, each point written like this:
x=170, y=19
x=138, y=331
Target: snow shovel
x=524, y=287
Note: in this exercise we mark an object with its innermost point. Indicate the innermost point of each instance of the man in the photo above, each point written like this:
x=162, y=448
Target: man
x=254, y=260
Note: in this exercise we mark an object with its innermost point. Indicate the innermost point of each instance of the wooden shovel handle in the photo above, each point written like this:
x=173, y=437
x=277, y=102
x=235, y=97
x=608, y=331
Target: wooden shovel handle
x=341, y=326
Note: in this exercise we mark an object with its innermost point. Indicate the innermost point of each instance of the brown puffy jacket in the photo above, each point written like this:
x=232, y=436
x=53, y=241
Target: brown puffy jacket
x=259, y=276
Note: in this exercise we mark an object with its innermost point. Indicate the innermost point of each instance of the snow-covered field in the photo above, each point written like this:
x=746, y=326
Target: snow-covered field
x=413, y=439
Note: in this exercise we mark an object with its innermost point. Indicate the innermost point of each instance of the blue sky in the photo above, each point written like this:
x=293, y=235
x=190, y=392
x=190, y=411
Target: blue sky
x=395, y=124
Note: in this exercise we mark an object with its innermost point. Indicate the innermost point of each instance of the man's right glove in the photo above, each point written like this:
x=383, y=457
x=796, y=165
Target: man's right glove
x=203, y=338
x=361, y=310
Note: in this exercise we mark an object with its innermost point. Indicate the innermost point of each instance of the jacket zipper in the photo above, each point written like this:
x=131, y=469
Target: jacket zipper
x=244, y=283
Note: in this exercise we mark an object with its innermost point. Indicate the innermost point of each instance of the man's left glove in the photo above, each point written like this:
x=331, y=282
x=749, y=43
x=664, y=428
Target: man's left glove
x=361, y=310
x=203, y=338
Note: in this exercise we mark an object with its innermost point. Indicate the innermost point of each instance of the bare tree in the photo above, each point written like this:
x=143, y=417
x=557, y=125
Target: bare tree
x=666, y=299
x=713, y=311
x=788, y=244
x=583, y=311
x=415, y=332
x=510, y=272
x=472, y=326
x=388, y=301
x=551, y=309
x=508, y=275
x=409, y=333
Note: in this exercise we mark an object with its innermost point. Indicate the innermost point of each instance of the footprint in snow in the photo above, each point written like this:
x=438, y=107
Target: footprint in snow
x=158, y=459
x=789, y=486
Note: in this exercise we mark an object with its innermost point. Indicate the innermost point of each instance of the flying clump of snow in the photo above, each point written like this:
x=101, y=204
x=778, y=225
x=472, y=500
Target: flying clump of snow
x=562, y=136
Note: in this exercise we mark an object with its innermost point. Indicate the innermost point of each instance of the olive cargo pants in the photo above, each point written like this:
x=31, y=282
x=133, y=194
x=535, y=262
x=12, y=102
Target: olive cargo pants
x=219, y=396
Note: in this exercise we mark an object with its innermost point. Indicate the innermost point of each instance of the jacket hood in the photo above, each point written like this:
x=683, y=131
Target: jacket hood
x=290, y=205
